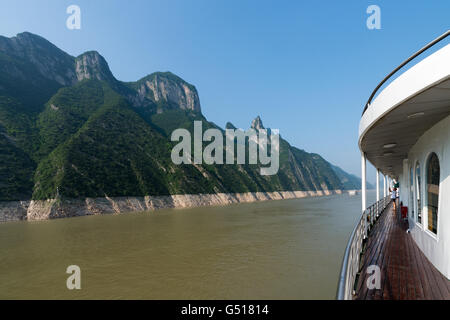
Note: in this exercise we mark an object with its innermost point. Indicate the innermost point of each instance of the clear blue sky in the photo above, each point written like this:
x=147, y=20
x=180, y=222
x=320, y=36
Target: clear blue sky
x=306, y=67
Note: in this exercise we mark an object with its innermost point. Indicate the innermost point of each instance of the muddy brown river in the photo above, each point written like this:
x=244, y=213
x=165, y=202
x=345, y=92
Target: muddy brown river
x=287, y=249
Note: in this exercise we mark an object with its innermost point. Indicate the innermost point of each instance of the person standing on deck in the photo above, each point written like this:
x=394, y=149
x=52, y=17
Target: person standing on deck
x=394, y=197
x=396, y=186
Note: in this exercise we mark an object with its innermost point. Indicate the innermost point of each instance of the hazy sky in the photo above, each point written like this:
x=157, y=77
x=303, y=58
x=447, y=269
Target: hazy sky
x=306, y=67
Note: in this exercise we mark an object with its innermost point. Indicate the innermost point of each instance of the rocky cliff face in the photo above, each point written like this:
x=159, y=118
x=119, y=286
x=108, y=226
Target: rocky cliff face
x=91, y=65
x=31, y=51
x=257, y=123
x=69, y=129
x=165, y=87
x=13, y=210
x=30, y=58
x=53, y=209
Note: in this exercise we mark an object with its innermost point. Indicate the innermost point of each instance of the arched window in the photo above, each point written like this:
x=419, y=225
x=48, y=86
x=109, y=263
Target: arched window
x=433, y=178
x=418, y=197
x=411, y=192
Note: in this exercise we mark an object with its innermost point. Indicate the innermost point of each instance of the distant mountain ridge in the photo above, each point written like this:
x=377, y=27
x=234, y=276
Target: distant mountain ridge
x=68, y=127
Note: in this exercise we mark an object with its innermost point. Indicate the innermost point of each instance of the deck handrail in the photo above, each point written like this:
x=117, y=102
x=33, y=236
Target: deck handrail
x=428, y=46
x=350, y=263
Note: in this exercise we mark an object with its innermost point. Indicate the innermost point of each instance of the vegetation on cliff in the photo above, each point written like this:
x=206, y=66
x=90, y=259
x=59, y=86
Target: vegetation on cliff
x=67, y=124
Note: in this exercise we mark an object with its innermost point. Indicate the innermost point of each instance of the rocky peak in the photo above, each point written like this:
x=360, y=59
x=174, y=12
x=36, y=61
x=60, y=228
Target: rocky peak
x=91, y=65
x=29, y=57
x=167, y=87
x=48, y=60
x=257, y=123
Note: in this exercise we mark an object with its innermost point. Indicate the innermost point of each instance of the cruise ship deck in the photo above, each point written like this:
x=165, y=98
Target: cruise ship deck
x=406, y=274
x=404, y=132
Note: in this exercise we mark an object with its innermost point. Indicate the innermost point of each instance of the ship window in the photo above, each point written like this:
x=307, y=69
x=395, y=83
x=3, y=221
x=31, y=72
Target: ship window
x=411, y=192
x=433, y=177
x=418, y=197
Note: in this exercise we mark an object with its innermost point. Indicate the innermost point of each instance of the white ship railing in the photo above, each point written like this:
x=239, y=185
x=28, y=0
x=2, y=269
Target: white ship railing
x=352, y=257
x=404, y=63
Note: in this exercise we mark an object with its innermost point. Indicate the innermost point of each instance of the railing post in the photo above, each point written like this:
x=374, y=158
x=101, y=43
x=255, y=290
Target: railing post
x=378, y=190
x=371, y=216
x=363, y=181
x=373, y=212
x=364, y=193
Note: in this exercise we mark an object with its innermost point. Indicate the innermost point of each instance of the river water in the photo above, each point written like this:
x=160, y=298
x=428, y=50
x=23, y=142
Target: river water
x=287, y=249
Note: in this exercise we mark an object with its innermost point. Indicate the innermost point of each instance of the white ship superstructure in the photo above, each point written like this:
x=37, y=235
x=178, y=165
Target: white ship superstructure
x=405, y=133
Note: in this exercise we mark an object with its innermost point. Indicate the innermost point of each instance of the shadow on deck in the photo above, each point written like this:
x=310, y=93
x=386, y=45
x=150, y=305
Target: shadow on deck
x=406, y=274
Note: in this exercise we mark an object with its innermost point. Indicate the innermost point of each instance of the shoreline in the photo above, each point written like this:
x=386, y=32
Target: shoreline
x=36, y=210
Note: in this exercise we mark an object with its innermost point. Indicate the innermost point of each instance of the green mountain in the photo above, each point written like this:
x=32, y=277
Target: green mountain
x=349, y=181
x=69, y=127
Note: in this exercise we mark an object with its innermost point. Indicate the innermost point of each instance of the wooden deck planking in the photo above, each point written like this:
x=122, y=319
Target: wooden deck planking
x=414, y=275
x=374, y=254
x=406, y=274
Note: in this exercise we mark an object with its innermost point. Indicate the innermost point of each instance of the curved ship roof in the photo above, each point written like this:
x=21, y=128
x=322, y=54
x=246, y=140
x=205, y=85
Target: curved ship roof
x=402, y=112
